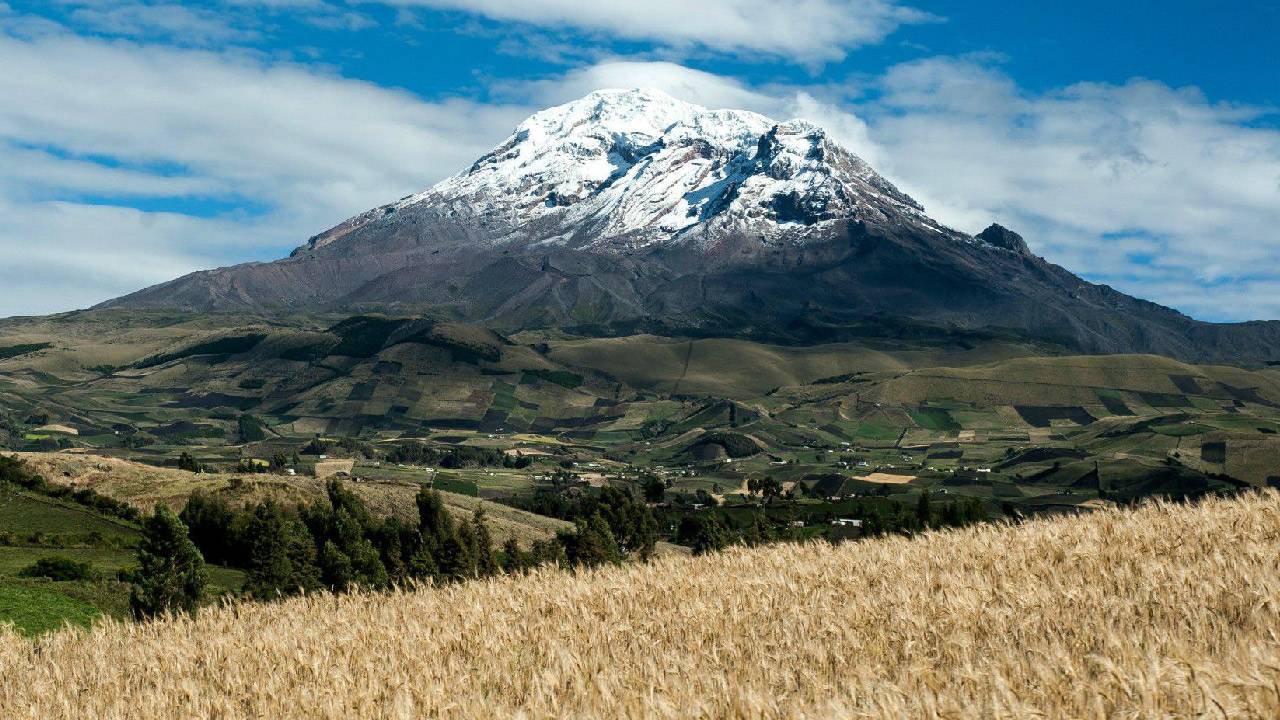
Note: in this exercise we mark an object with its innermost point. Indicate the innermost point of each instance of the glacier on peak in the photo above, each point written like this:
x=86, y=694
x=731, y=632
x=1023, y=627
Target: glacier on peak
x=621, y=169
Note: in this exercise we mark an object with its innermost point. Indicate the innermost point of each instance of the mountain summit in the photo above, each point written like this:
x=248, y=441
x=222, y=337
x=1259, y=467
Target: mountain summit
x=623, y=170
x=630, y=209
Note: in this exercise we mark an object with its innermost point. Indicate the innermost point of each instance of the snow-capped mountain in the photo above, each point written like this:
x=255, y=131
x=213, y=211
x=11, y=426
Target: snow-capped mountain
x=627, y=169
x=630, y=209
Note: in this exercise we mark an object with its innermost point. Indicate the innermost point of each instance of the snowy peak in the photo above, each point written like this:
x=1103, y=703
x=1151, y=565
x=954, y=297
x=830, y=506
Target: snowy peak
x=566, y=154
x=622, y=169
x=643, y=115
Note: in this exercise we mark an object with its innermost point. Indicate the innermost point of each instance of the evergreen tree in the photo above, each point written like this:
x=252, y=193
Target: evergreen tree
x=209, y=525
x=703, y=533
x=654, y=489
x=344, y=522
x=873, y=524
x=486, y=561
x=456, y=554
x=548, y=552
x=281, y=554
x=395, y=541
x=513, y=561
x=336, y=570
x=278, y=462
x=591, y=544
x=924, y=512
x=630, y=521
x=171, y=574
x=951, y=514
x=434, y=522
x=759, y=532
x=422, y=565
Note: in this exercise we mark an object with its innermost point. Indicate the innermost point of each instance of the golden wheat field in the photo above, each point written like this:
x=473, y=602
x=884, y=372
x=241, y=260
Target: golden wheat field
x=1163, y=611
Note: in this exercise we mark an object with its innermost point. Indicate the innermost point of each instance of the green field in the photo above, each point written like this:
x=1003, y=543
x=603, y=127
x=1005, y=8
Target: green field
x=35, y=527
x=23, y=513
x=34, y=609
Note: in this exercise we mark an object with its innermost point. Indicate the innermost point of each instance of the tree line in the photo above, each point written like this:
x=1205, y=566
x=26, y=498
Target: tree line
x=714, y=529
x=336, y=544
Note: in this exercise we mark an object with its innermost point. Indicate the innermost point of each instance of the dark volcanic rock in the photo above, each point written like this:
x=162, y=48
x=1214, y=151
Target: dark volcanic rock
x=1002, y=237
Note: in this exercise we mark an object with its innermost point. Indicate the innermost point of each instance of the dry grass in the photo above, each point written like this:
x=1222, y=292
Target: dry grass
x=1166, y=611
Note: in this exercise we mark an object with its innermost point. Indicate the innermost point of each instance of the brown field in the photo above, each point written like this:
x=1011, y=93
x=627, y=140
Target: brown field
x=325, y=468
x=1166, y=611
x=887, y=478
x=64, y=429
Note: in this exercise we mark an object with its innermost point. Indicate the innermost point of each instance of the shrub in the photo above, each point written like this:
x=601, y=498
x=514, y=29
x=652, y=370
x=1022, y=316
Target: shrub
x=59, y=568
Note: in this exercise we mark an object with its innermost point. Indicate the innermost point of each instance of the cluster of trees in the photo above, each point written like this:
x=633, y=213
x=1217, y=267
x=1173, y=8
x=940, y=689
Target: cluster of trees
x=186, y=461
x=710, y=532
x=59, y=568
x=277, y=463
x=714, y=529
x=767, y=487
x=610, y=526
x=351, y=446
x=336, y=544
x=416, y=453
x=926, y=515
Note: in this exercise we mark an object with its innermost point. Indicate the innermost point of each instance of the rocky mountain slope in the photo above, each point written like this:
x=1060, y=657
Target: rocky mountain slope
x=630, y=209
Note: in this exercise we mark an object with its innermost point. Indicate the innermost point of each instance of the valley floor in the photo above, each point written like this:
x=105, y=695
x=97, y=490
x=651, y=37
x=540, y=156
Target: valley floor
x=1168, y=610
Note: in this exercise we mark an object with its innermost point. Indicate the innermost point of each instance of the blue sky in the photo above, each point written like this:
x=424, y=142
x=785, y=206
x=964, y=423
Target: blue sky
x=1136, y=143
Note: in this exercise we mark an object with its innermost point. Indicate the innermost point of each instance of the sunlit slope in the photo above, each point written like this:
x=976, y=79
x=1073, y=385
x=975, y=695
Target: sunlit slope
x=144, y=486
x=732, y=368
x=1167, y=610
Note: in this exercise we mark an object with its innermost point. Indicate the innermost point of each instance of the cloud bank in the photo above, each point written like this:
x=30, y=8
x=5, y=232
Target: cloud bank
x=810, y=31
x=264, y=154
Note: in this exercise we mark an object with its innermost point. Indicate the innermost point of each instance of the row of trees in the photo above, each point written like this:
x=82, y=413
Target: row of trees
x=417, y=453
x=713, y=530
x=337, y=544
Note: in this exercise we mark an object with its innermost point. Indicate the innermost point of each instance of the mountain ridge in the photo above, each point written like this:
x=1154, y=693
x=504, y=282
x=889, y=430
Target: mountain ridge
x=629, y=208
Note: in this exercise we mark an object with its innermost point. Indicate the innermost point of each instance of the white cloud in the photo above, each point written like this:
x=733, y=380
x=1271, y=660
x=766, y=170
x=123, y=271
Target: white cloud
x=810, y=31
x=84, y=121
x=1150, y=188
x=349, y=21
x=187, y=25
x=57, y=256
